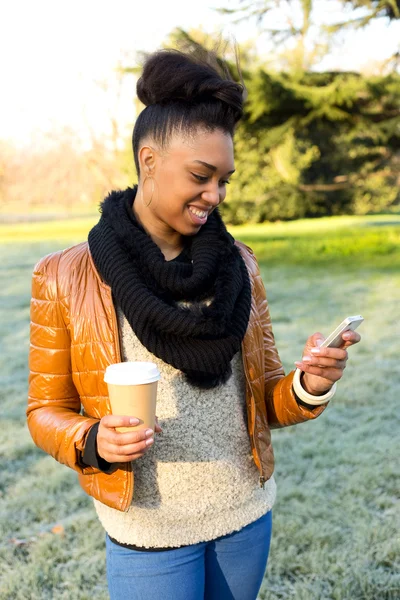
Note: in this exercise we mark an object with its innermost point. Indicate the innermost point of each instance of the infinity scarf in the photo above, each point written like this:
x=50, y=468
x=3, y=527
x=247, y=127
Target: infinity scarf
x=198, y=340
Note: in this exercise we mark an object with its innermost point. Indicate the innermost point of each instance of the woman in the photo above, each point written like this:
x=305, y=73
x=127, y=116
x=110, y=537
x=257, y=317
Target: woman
x=160, y=279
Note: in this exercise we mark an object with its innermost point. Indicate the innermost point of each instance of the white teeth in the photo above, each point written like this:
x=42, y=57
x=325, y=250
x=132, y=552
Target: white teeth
x=198, y=213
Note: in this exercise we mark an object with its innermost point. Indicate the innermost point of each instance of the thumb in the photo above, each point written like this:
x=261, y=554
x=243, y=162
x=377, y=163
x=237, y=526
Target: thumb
x=314, y=340
x=318, y=338
x=113, y=421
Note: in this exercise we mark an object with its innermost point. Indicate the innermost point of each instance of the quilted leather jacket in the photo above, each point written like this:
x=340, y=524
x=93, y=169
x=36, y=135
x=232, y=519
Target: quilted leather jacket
x=74, y=337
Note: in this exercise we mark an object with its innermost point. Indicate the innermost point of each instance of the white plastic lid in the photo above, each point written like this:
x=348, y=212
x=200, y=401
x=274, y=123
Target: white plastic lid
x=132, y=373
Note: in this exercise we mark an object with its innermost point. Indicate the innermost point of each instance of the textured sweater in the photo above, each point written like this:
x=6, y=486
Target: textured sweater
x=198, y=481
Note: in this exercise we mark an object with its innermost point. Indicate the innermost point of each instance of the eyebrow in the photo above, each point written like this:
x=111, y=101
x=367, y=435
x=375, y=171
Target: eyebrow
x=211, y=167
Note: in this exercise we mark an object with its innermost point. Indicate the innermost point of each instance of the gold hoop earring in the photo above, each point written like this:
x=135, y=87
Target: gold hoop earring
x=152, y=190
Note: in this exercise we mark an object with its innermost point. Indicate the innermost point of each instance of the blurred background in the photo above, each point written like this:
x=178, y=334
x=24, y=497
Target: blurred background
x=316, y=194
x=321, y=133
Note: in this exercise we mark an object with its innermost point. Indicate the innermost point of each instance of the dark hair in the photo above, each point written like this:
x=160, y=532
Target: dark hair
x=182, y=92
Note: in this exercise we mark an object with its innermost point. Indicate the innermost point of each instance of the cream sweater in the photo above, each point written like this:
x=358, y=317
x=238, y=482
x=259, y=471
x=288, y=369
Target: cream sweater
x=199, y=480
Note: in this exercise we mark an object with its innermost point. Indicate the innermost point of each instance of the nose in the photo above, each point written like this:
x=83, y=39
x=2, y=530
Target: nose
x=212, y=195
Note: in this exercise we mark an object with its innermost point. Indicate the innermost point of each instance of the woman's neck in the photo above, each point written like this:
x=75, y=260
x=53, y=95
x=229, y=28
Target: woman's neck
x=171, y=243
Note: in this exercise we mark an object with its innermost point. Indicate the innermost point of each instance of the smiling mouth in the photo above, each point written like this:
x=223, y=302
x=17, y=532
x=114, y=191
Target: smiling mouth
x=201, y=214
x=198, y=217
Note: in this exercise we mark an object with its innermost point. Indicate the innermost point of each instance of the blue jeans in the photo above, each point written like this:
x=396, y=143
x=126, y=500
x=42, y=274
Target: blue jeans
x=230, y=567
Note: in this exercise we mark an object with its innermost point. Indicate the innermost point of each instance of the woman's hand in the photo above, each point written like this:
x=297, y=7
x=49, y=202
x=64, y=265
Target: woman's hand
x=323, y=366
x=115, y=446
x=157, y=427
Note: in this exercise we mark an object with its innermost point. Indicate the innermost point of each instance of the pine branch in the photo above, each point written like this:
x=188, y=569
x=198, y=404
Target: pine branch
x=324, y=187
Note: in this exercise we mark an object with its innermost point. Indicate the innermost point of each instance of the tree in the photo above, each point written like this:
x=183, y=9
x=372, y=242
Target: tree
x=310, y=143
x=365, y=12
x=306, y=41
x=322, y=144
x=293, y=31
x=372, y=9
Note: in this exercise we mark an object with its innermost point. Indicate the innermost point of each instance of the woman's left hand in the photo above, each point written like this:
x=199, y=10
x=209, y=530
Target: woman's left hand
x=322, y=367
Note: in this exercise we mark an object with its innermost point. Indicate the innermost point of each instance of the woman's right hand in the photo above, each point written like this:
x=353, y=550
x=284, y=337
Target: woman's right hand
x=115, y=446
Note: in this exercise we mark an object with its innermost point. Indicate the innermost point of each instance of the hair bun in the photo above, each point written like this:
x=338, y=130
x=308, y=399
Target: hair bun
x=172, y=76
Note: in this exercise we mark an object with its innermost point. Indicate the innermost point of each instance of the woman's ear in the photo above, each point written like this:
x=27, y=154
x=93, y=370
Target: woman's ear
x=147, y=159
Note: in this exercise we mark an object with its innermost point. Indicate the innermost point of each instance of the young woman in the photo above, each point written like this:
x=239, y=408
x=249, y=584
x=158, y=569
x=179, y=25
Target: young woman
x=187, y=516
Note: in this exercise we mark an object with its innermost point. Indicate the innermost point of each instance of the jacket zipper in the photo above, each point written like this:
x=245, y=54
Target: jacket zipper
x=116, y=332
x=262, y=478
x=119, y=356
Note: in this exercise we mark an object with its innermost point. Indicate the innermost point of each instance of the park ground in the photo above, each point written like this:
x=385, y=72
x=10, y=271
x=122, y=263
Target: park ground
x=335, y=533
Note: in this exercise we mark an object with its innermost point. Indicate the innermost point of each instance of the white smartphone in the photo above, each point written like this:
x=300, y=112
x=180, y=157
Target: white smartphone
x=334, y=340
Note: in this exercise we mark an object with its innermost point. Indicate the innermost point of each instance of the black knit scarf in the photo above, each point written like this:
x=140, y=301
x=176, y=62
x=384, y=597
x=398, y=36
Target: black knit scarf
x=200, y=342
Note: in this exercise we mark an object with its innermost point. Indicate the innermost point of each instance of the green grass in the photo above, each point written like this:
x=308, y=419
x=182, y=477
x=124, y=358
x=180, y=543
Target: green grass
x=337, y=513
x=329, y=242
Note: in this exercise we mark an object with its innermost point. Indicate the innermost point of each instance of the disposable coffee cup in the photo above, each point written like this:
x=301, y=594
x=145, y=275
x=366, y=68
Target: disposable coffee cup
x=132, y=389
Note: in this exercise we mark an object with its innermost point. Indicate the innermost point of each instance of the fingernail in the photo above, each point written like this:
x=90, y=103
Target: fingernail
x=149, y=441
x=346, y=335
x=134, y=421
x=315, y=350
x=319, y=342
x=298, y=364
x=149, y=432
x=306, y=358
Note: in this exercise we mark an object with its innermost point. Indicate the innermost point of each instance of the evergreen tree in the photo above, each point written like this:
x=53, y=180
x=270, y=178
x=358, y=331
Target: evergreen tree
x=322, y=144
x=310, y=144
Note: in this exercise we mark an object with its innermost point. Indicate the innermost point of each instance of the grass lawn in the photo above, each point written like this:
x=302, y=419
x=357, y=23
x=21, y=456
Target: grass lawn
x=336, y=520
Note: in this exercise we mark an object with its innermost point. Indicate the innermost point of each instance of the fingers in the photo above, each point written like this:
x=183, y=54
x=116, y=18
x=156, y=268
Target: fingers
x=127, y=438
x=328, y=353
x=324, y=366
x=117, y=458
x=112, y=421
x=116, y=446
x=350, y=338
x=325, y=356
x=324, y=362
x=129, y=451
x=316, y=339
x=329, y=374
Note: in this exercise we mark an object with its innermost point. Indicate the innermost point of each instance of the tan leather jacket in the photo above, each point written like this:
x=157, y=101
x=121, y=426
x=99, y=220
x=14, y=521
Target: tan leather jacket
x=74, y=337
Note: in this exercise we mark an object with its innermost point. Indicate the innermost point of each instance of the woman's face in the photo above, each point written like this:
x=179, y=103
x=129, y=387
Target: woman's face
x=190, y=177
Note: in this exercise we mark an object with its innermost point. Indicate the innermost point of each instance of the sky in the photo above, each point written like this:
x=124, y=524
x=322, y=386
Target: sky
x=59, y=57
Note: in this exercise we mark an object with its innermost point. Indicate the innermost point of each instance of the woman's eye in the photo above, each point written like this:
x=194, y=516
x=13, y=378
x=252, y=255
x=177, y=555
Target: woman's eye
x=200, y=178
x=203, y=179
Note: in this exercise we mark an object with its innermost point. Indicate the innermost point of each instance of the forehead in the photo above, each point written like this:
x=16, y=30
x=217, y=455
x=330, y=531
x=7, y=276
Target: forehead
x=215, y=148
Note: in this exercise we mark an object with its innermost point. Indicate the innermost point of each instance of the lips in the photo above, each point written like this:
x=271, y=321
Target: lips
x=199, y=216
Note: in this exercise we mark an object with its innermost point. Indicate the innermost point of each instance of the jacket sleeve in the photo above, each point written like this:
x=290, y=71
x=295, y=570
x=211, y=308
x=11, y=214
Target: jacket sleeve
x=283, y=407
x=90, y=456
x=53, y=412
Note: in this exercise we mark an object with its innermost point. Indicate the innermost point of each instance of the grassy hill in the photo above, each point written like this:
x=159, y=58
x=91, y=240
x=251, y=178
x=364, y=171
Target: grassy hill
x=337, y=512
